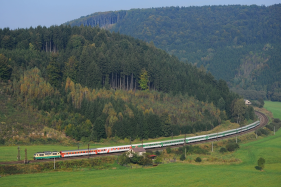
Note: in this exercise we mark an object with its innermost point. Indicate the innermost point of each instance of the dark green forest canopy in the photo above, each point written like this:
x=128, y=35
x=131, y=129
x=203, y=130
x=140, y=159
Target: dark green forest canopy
x=97, y=58
x=239, y=44
x=94, y=58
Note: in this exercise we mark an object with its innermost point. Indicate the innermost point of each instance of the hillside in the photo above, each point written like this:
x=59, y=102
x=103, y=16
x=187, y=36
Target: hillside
x=239, y=44
x=92, y=84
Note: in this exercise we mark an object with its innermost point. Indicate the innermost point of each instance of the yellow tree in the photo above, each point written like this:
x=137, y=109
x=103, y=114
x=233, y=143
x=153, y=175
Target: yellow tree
x=144, y=80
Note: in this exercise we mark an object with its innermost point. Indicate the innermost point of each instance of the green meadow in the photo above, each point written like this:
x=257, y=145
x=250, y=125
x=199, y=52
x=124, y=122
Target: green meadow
x=274, y=107
x=174, y=174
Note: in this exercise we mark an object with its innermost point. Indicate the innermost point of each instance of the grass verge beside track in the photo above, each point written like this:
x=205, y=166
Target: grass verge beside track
x=174, y=174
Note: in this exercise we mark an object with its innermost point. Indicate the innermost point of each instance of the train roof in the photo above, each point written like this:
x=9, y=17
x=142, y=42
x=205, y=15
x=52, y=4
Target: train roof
x=79, y=150
x=147, y=143
x=48, y=152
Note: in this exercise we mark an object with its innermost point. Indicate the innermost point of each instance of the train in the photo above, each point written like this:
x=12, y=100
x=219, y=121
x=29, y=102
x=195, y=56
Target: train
x=124, y=148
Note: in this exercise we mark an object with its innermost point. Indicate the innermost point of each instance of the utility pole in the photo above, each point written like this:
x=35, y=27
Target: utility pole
x=18, y=153
x=184, y=145
x=256, y=134
x=217, y=136
x=25, y=159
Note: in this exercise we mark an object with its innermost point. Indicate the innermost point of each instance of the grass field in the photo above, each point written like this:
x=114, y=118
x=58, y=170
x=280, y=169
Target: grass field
x=274, y=107
x=174, y=174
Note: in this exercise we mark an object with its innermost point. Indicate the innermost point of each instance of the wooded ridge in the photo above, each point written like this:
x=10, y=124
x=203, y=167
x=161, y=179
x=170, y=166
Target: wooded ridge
x=239, y=44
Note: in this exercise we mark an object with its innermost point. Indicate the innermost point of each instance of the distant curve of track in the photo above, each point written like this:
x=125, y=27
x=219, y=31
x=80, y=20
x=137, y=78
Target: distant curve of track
x=263, y=121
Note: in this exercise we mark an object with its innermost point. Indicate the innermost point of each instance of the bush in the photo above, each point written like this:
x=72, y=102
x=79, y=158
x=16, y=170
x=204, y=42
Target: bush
x=232, y=146
x=168, y=149
x=180, y=150
x=157, y=153
x=223, y=150
x=262, y=131
x=198, y=159
x=135, y=158
x=123, y=159
x=261, y=162
x=276, y=120
x=182, y=158
x=276, y=123
x=144, y=161
x=149, y=152
x=2, y=141
x=196, y=150
x=158, y=160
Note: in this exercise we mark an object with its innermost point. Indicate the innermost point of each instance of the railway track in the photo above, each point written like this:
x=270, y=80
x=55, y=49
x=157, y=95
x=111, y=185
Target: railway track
x=263, y=122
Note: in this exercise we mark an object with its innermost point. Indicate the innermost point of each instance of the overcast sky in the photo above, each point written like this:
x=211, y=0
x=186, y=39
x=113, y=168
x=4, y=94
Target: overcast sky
x=26, y=13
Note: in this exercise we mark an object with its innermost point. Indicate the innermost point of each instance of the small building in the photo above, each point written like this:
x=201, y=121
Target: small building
x=140, y=151
x=247, y=102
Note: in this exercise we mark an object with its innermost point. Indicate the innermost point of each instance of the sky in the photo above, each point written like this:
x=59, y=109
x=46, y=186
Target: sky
x=31, y=13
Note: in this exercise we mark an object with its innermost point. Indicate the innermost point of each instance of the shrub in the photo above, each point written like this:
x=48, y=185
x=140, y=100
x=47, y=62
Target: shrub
x=158, y=160
x=135, y=158
x=198, y=159
x=149, y=152
x=232, y=146
x=157, y=153
x=276, y=123
x=144, y=161
x=182, y=158
x=262, y=131
x=261, y=162
x=168, y=149
x=223, y=150
x=2, y=141
x=123, y=159
x=180, y=150
x=276, y=120
x=196, y=150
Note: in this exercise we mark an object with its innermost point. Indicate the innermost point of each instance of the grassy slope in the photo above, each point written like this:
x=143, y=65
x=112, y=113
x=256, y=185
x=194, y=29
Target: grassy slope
x=274, y=107
x=243, y=174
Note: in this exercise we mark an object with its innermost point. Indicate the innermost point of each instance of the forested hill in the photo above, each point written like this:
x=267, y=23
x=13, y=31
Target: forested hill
x=240, y=44
x=86, y=82
x=96, y=58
